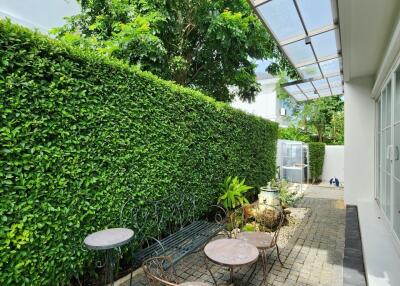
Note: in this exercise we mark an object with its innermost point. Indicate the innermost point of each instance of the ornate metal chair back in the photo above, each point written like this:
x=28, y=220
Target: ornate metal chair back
x=160, y=271
x=152, y=219
x=231, y=219
x=146, y=219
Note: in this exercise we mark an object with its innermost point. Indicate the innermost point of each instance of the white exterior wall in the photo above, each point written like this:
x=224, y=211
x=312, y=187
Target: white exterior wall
x=265, y=103
x=333, y=163
x=359, y=125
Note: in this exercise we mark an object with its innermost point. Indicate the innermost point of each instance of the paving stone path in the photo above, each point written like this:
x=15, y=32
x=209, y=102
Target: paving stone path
x=313, y=255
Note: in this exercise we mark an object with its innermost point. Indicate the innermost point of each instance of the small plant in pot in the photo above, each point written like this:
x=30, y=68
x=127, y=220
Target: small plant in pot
x=233, y=196
x=286, y=198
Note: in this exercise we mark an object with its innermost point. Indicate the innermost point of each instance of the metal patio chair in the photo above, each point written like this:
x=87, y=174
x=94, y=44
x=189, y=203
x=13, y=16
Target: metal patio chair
x=270, y=219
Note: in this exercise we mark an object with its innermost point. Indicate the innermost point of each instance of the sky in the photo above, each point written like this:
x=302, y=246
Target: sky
x=40, y=14
x=262, y=65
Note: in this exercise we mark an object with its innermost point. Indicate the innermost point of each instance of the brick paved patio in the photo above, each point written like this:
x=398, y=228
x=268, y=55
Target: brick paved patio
x=313, y=255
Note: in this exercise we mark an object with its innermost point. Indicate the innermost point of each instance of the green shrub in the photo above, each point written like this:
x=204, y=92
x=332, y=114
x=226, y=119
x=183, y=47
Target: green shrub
x=80, y=135
x=316, y=152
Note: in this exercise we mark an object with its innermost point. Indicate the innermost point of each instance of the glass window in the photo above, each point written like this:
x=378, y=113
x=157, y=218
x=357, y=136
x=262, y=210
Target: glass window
x=299, y=53
x=396, y=206
x=282, y=18
x=316, y=14
x=388, y=205
x=389, y=104
x=397, y=97
x=384, y=118
x=388, y=141
x=383, y=187
x=325, y=45
x=310, y=71
x=396, y=147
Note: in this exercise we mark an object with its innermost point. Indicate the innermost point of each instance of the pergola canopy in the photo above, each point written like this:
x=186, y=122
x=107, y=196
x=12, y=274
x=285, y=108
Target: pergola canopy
x=308, y=34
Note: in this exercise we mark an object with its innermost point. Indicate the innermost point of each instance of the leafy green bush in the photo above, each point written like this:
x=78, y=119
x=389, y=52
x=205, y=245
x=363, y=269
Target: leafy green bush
x=287, y=198
x=293, y=133
x=316, y=152
x=81, y=134
x=233, y=194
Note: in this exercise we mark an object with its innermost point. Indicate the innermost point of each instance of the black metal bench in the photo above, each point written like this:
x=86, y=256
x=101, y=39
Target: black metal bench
x=184, y=235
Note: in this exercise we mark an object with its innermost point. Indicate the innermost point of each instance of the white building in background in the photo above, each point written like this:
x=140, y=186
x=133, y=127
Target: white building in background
x=266, y=104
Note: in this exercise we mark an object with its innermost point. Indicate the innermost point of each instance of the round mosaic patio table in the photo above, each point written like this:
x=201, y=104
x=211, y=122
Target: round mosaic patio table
x=231, y=253
x=108, y=240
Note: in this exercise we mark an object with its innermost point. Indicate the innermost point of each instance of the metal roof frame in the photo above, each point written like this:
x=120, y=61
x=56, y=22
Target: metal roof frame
x=306, y=37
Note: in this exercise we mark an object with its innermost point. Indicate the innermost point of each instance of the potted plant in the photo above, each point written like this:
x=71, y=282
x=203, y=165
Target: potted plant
x=233, y=196
x=233, y=193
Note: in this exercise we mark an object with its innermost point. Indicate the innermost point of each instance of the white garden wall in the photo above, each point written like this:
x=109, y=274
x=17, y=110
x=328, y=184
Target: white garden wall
x=333, y=163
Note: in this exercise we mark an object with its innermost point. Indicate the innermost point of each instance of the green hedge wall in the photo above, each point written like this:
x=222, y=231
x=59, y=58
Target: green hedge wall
x=81, y=134
x=316, y=151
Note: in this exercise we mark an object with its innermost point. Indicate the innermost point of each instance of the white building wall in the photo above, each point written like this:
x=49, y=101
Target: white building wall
x=359, y=125
x=333, y=163
x=265, y=103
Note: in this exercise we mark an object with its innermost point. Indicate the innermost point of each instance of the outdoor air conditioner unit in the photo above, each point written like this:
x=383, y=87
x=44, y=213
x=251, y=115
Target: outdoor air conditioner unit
x=283, y=112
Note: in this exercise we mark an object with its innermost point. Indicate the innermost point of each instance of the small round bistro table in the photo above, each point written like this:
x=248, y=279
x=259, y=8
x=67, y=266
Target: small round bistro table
x=231, y=253
x=108, y=240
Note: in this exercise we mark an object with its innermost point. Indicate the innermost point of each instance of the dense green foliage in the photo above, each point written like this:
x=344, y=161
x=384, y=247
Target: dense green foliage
x=293, y=133
x=207, y=45
x=316, y=159
x=82, y=134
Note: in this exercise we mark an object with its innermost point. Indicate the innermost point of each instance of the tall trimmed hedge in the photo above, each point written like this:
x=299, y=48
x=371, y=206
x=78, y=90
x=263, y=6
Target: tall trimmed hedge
x=316, y=151
x=81, y=134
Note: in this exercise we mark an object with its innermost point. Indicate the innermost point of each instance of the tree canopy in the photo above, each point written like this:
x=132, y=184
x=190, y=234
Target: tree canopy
x=203, y=44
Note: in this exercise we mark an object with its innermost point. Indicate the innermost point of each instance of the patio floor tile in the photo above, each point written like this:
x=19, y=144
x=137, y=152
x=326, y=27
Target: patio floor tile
x=313, y=255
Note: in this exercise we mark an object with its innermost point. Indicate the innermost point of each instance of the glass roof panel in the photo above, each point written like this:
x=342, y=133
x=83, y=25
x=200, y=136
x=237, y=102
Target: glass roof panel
x=319, y=61
x=299, y=53
x=337, y=91
x=282, y=18
x=310, y=71
x=316, y=13
x=292, y=89
x=316, y=96
x=324, y=92
x=299, y=97
x=331, y=67
x=335, y=81
x=312, y=95
x=320, y=84
x=306, y=86
x=325, y=44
